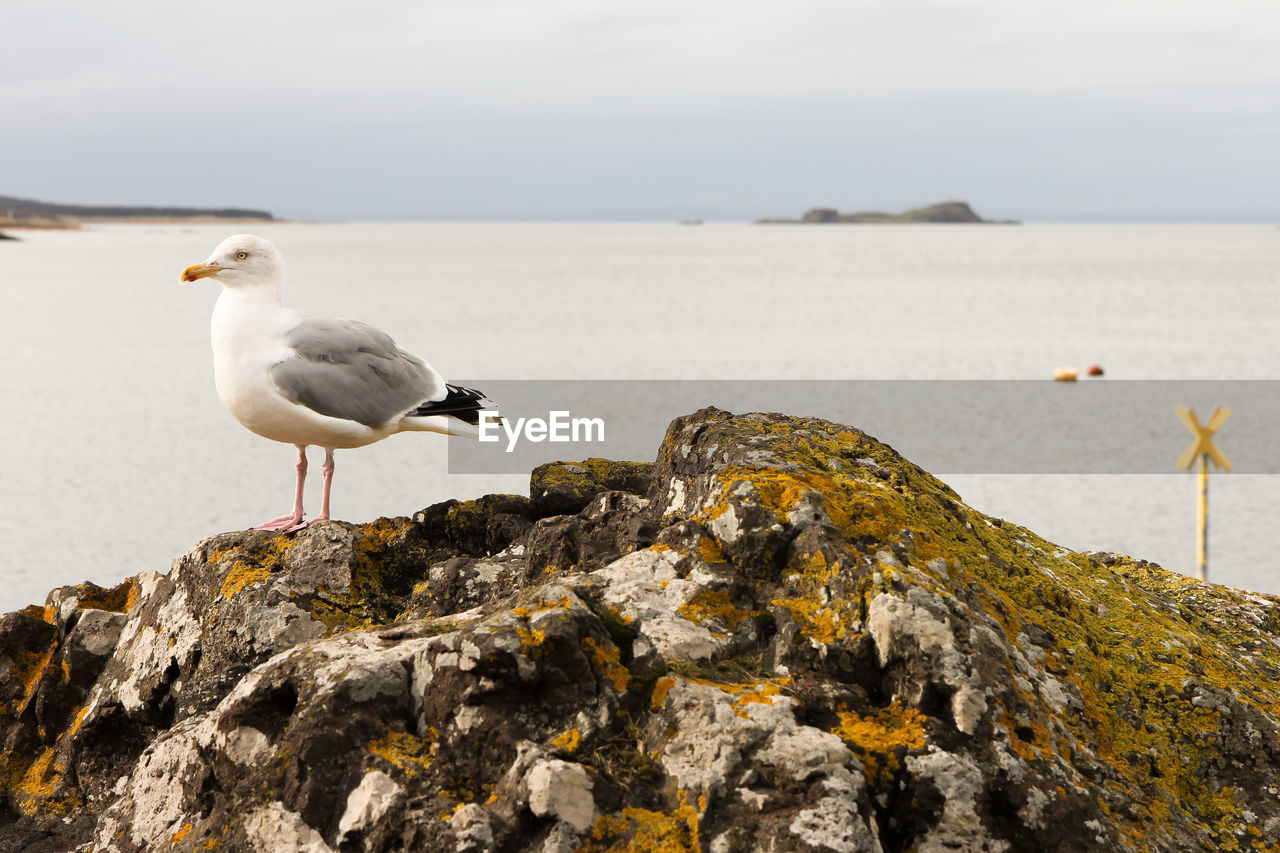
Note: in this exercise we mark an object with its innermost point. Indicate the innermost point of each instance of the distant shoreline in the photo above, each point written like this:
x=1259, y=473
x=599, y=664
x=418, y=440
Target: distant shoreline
x=76, y=224
x=29, y=214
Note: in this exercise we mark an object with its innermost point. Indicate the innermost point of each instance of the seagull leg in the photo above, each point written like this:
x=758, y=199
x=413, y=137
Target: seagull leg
x=294, y=519
x=327, y=468
x=328, y=481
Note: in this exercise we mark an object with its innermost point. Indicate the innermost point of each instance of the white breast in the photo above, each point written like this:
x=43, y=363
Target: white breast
x=248, y=335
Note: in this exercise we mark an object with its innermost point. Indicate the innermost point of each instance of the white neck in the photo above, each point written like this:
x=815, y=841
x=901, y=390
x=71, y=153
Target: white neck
x=247, y=311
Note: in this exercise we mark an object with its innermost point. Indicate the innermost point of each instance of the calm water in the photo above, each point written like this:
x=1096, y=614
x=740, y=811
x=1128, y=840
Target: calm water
x=117, y=456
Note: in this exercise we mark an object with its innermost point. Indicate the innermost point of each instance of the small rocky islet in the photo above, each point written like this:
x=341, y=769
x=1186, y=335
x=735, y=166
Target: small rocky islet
x=781, y=635
x=943, y=213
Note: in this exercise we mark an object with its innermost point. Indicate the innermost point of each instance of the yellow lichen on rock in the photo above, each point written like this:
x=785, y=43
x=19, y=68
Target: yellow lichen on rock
x=636, y=830
x=78, y=720
x=375, y=536
x=857, y=509
x=251, y=567
x=661, y=688
x=822, y=617
x=38, y=781
x=710, y=551
x=408, y=753
x=567, y=742
x=39, y=786
x=606, y=661
x=27, y=669
x=880, y=739
x=761, y=691
x=177, y=837
x=750, y=693
x=714, y=605
x=118, y=599
x=242, y=576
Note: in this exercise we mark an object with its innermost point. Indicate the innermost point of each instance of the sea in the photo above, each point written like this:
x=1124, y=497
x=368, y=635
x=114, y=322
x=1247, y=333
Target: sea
x=117, y=456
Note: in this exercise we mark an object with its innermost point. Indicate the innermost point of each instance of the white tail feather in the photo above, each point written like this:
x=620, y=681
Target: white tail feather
x=443, y=424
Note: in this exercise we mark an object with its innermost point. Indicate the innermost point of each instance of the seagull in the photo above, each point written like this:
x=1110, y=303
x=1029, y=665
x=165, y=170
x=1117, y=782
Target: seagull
x=323, y=381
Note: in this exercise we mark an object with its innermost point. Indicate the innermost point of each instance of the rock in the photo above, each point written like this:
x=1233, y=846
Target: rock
x=946, y=212
x=561, y=790
x=564, y=488
x=780, y=635
x=821, y=214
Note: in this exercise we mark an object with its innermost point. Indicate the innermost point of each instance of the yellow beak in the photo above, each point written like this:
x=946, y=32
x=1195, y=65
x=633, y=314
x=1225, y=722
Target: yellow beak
x=199, y=271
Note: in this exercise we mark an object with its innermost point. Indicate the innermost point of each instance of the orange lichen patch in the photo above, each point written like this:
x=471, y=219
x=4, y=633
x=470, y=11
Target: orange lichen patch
x=27, y=669
x=760, y=692
x=660, y=690
x=177, y=837
x=40, y=778
x=882, y=739
x=749, y=693
x=251, y=567
x=568, y=742
x=375, y=536
x=242, y=576
x=447, y=814
x=38, y=787
x=710, y=551
x=822, y=616
x=408, y=753
x=78, y=720
x=606, y=662
x=744, y=693
x=531, y=641
x=636, y=830
x=818, y=622
x=43, y=613
x=714, y=605
x=542, y=605
x=118, y=599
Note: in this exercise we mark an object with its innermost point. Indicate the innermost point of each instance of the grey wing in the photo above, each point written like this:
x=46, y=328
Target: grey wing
x=348, y=369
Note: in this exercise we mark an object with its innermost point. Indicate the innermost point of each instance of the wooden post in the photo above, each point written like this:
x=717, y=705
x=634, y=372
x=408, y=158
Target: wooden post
x=1202, y=531
x=1203, y=449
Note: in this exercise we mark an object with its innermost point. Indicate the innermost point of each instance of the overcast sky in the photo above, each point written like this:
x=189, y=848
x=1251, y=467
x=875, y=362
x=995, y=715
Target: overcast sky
x=583, y=109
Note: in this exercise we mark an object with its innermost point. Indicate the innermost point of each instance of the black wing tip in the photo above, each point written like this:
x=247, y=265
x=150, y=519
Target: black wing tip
x=465, y=404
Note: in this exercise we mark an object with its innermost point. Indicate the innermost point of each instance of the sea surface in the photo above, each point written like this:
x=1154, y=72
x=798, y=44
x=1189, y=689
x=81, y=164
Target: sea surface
x=116, y=455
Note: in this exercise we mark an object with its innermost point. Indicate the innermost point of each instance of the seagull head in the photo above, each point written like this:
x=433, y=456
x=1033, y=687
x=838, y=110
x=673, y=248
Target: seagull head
x=241, y=261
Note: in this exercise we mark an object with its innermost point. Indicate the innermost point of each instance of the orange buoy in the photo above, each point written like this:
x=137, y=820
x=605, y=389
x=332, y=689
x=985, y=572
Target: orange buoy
x=1095, y=370
x=1065, y=374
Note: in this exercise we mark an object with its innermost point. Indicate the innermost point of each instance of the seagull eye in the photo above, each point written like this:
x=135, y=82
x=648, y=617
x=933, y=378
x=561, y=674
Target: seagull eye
x=240, y=256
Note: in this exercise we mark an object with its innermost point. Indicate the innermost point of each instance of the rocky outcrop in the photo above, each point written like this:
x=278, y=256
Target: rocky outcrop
x=779, y=636
x=946, y=212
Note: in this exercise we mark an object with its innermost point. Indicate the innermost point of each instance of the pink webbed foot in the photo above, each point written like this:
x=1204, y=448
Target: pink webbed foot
x=284, y=522
x=303, y=525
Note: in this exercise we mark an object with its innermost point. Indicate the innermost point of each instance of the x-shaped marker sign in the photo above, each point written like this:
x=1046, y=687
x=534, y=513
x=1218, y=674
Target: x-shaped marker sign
x=1202, y=445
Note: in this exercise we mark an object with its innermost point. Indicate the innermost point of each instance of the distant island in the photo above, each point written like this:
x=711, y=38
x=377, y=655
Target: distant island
x=947, y=212
x=26, y=213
